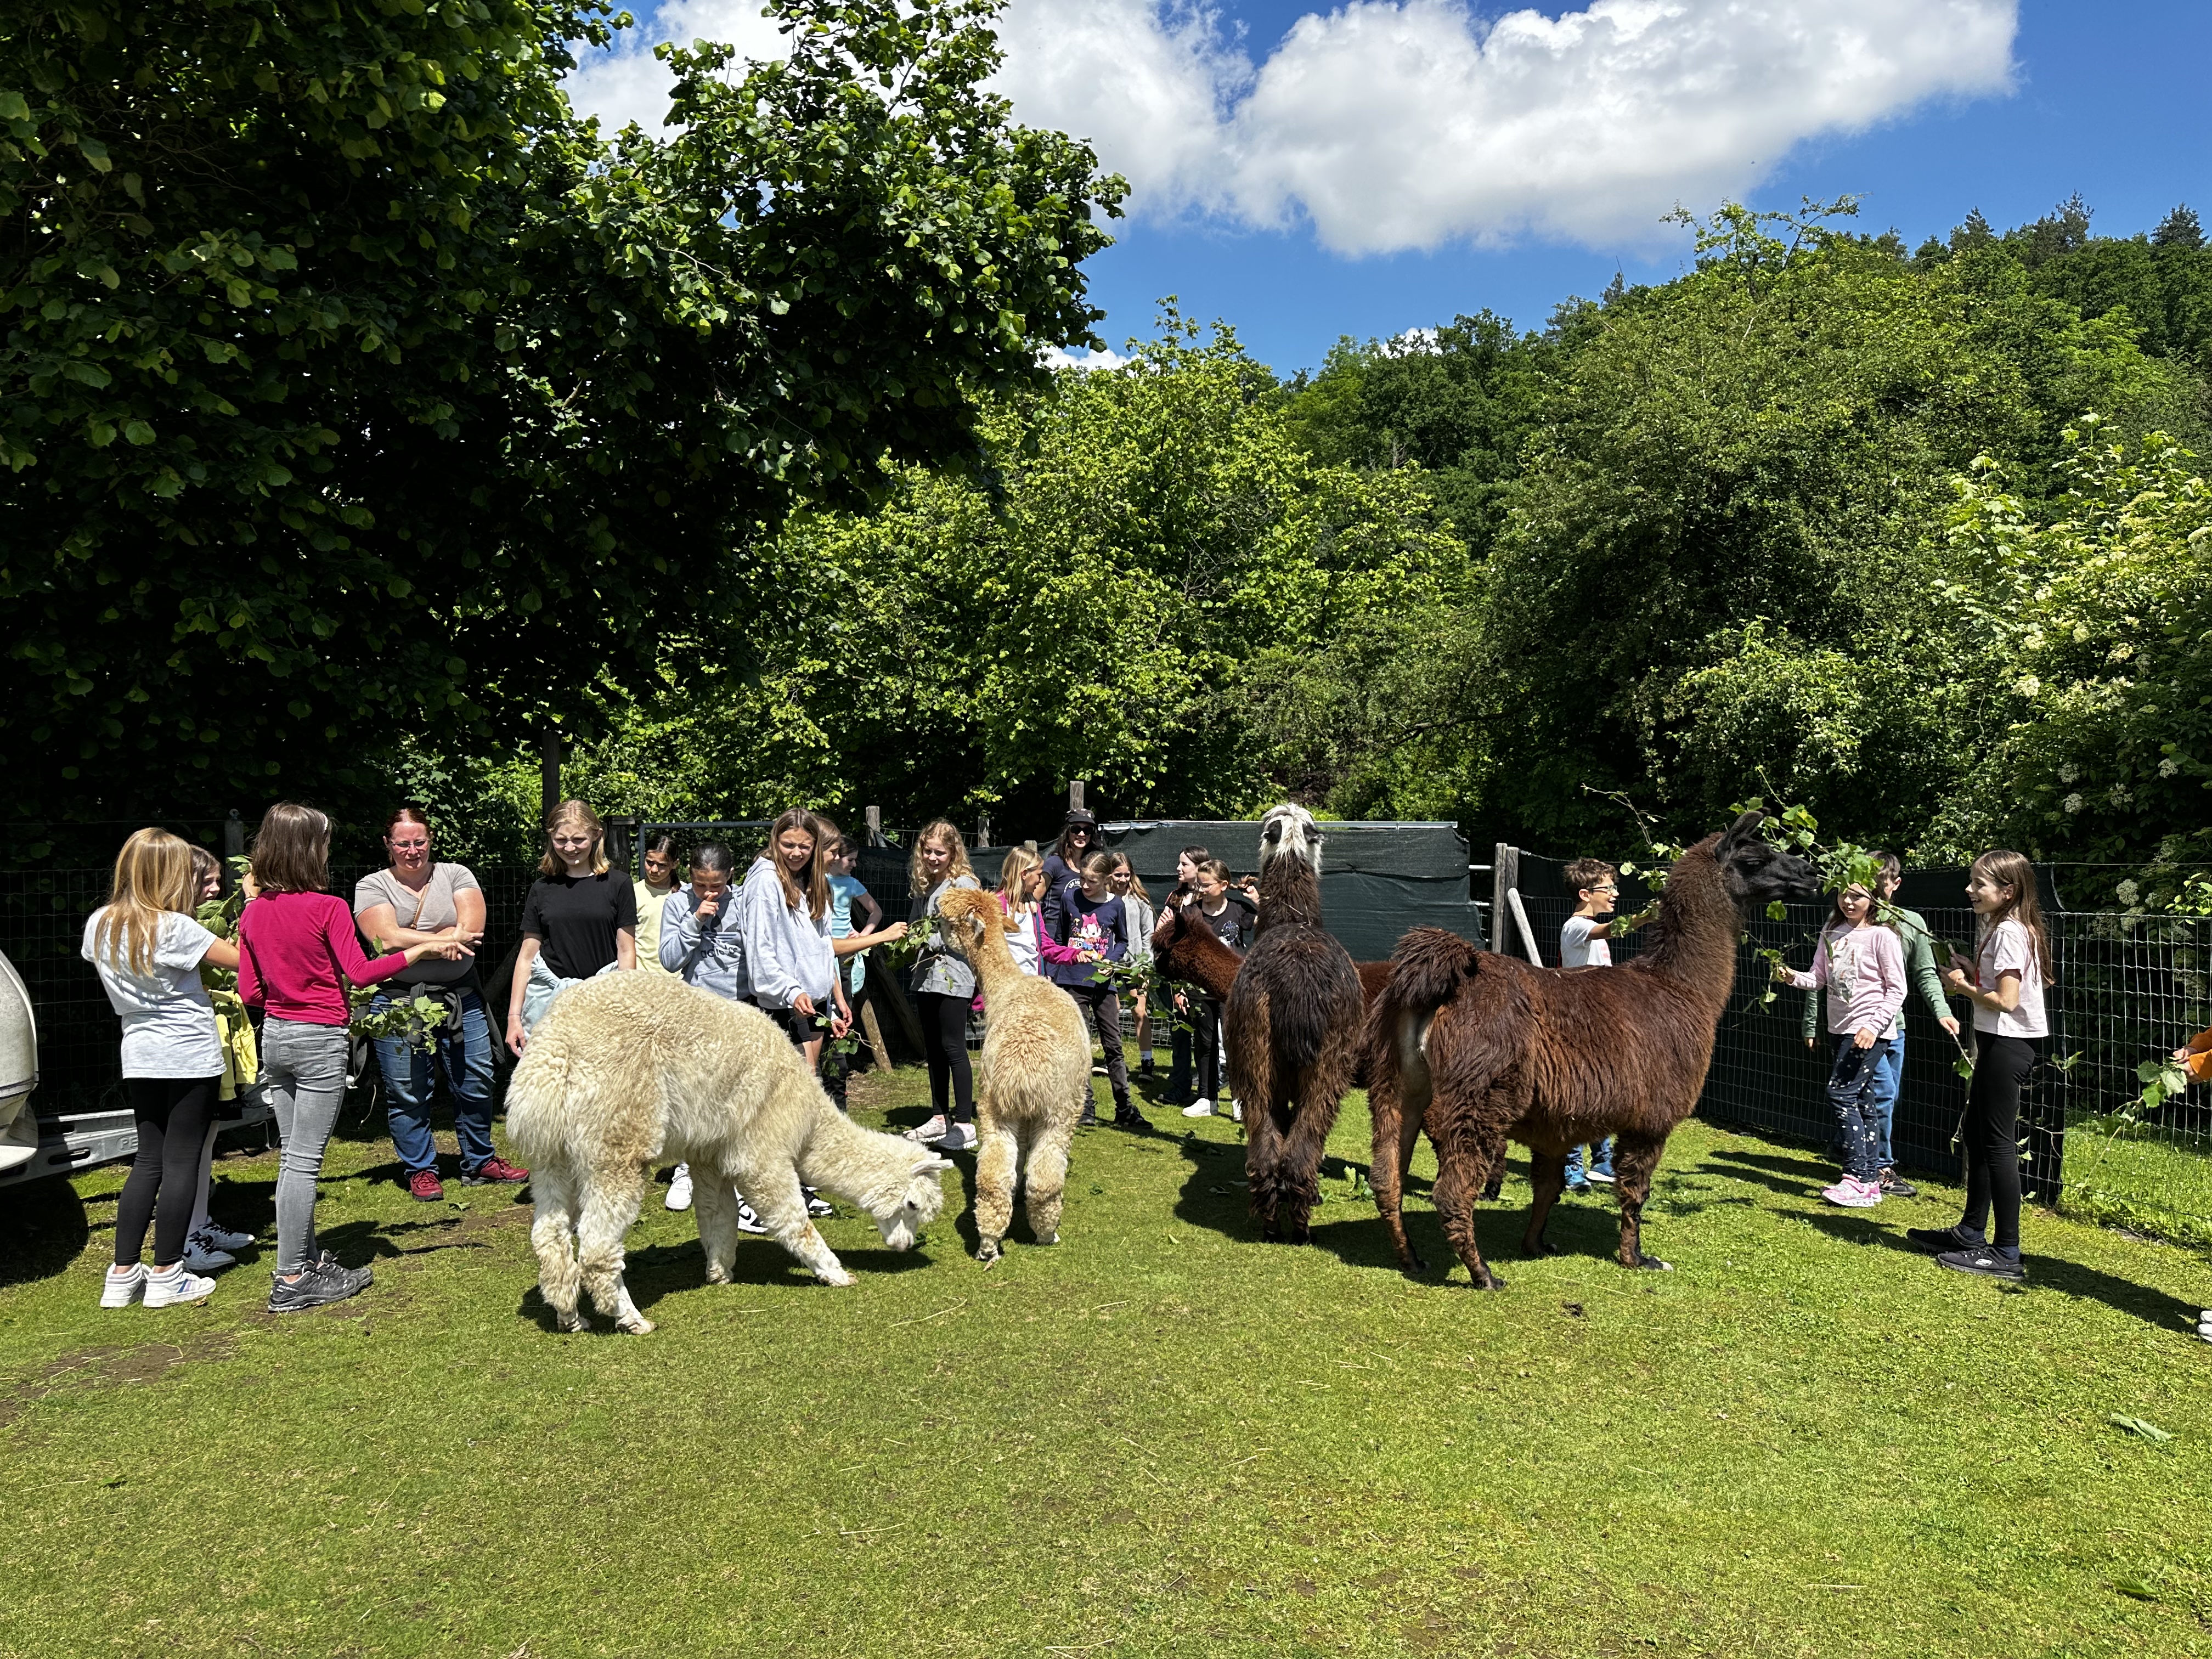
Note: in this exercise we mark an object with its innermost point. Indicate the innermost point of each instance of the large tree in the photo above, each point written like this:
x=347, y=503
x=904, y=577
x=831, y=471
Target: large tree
x=350, y=385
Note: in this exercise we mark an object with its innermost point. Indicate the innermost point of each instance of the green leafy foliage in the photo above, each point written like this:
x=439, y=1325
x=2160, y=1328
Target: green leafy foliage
x=351, y=386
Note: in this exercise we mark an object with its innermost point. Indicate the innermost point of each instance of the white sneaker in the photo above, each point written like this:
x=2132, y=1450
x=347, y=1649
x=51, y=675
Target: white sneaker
x=957, y=1138
x=212, y=1237
x=125, y=1286
x=2204, y=1325
x=198, y=1258
x=179, y=1284
x=1235, y=1112
x=1198, y=1109
x=925, y=1133
x=747, y=1221
x=817, y=1205
x=679, y=1189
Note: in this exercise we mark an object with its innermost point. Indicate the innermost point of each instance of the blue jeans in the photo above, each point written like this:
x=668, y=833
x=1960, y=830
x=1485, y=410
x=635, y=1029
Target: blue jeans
x=463, y=1058
x=1888, y=1078
x=1601, y=1162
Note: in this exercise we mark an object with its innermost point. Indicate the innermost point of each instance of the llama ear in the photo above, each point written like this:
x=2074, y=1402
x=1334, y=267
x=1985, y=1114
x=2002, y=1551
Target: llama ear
x=933, y=1165
x=1744, y=827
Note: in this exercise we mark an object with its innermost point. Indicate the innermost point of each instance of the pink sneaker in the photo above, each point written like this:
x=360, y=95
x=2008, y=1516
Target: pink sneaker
x=1854, y=1194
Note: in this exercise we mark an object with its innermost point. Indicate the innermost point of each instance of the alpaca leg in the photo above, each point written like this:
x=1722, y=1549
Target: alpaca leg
x=611, y=1207
x=1263, y=1157
x=997, y=1159
x=1045, y=1181
x=1547, y=1172
x=1635, y=1160
x=1386, y=1170
x=1459, y=1177
x=780, y=1206
x=553, y=1235
x=1304, y=1149
x=716, y=1207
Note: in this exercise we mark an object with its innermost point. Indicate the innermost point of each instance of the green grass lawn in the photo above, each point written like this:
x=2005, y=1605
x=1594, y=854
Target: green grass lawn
x=1159, y=1437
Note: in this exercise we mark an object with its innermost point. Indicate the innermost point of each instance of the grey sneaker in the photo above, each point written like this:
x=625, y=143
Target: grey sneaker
x=329, y=1264
x=323, y=1282
x=958, y=1138
x=200, y=1259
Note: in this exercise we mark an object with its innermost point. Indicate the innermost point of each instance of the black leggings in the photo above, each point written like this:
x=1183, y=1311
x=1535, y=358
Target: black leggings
x=1992, y=1135
x=173, y=1114
x=944, y=1045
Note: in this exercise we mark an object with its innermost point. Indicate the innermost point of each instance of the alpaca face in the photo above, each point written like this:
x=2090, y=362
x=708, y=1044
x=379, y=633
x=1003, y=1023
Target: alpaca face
x=1756, y=872
x=1289, y=831
x=918, y=1205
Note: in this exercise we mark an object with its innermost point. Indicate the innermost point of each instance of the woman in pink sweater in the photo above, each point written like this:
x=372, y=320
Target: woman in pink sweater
x=1861, y=962
x=297, y=950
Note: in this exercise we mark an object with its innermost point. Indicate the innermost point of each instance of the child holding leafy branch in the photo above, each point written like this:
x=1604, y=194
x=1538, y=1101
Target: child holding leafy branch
x=1085, y=915
x=1920, y=973
x=2009, y=969
x=1860, y=963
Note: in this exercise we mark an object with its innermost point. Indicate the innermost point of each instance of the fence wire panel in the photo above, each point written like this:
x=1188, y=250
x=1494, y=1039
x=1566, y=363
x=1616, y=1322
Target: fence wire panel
x=2134, y=989
x=42, y=917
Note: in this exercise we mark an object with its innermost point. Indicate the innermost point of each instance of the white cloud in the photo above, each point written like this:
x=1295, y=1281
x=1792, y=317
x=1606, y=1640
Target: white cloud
x=1059, y=357
x=630, y=84
x=1406, y=124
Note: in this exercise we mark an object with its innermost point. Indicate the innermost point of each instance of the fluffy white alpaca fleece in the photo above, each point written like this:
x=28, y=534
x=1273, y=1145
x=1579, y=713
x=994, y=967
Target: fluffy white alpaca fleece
x=1037, y=1078
x=631, y=1069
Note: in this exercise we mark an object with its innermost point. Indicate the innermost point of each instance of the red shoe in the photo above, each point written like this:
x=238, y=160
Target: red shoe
x=490, y=1171
x=424, y=1184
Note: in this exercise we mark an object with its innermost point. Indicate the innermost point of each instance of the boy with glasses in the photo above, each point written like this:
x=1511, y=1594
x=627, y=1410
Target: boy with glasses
x=1582, y=945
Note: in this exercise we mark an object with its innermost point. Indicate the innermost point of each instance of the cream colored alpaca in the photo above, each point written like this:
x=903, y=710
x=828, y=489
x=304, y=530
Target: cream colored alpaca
x=1036, y=1077
x=631, y=1069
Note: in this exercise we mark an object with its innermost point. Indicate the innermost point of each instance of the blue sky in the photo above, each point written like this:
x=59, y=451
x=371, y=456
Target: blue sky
x=1385, y=166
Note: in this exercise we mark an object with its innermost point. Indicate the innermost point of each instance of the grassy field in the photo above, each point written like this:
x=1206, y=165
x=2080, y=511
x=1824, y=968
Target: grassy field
x=1160, y=1438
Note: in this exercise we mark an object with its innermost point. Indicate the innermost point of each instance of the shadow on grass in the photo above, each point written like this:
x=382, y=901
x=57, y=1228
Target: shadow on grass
x=1793, y=1176
x=47, y=1227
x=2151, y=1305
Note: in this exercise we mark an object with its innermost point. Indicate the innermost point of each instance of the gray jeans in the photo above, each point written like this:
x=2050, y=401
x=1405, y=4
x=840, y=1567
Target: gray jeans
x=303, y=1068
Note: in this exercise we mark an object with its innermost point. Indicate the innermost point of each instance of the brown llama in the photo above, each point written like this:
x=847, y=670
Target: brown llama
x=1294, y=1017
x=1479, y=1048
x=1196, y=956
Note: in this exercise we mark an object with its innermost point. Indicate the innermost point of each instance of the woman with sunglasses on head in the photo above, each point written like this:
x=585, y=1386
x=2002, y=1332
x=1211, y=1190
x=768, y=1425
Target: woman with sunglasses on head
x=578, y=920
x=418, y=899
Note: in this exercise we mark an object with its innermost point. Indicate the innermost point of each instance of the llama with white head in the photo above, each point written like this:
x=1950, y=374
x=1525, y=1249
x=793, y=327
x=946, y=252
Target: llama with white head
x=630, y=1069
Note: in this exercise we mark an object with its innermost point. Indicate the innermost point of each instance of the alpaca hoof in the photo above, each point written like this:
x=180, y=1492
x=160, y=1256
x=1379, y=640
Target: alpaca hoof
x=1047, y=1238
x=1487, y=1280
x=573, y=1323
x=640, y=1326
x=1410, y=1264
x=717, y=1273
x=836, y=1276
x=1538, y=1247
x=986, y=1254
x=1653, y=1263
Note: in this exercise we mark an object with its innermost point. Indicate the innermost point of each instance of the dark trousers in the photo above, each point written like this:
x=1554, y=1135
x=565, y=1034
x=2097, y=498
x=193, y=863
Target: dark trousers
x=1179, y=1063
x=800, y=1028
x=1105, y=1007
x=1853, y=1091
x=1205, y=1039
x=1992, y=1135
x=173, y=1114
x=945, y=1046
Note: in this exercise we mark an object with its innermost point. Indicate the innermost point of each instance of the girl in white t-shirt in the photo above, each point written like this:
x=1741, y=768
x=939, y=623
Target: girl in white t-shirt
x=147, y=950
x=2005, y=981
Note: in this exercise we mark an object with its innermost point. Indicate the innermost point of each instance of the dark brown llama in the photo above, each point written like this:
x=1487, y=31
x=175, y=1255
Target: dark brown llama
x=1478, y=1047
x=1195, y=956
x=1294, y=1017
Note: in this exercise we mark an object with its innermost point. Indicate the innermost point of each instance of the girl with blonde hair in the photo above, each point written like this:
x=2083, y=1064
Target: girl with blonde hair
x=147, y=949
x=945, y=989
x=2004, y=979
x=1021, y=890
x=579, y=919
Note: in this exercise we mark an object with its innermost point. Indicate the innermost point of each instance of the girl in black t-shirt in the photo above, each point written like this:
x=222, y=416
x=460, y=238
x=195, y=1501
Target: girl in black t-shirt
x=579, y=920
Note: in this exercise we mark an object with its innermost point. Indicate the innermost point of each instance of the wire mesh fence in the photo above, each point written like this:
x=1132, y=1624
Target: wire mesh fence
x=2125, y=989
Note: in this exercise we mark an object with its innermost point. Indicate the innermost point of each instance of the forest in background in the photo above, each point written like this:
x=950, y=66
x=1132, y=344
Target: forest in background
x=372, y=427
x=1917, y=538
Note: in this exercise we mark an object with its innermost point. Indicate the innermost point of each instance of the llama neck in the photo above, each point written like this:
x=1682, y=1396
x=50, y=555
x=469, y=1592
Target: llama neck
x=1198, y=954
x=992, y=959
x=1695, y=934
x=1290, y=891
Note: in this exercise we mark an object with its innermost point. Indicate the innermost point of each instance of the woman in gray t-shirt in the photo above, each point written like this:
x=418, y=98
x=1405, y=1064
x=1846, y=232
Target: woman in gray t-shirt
x=415, y=900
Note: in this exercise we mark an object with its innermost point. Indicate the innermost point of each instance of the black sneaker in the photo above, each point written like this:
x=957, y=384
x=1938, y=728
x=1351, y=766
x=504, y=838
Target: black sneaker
x=1937, y=1240
x=1129, y=1117
x=322, y=1284
x=1984, y=1260
x=1089, y=1120
x=1894, y=1185
x=329, y=1264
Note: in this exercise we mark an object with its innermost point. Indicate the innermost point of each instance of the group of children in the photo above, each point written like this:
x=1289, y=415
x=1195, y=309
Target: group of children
x=1871, y=953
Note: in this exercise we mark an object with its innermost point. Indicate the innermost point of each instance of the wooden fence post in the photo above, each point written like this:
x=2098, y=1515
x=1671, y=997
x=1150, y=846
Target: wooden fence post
x=875, y=826
x=1075, y=796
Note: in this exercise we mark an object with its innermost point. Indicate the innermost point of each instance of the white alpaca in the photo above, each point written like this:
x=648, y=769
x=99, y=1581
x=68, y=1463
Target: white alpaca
x=1036, y=1077
x=632, y=1068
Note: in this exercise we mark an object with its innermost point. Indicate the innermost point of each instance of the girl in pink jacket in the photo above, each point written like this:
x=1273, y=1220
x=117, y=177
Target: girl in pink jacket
x=1860, y=961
